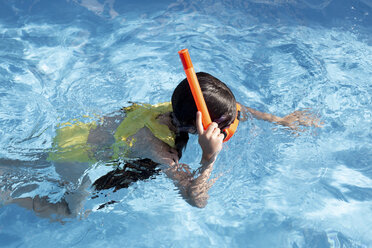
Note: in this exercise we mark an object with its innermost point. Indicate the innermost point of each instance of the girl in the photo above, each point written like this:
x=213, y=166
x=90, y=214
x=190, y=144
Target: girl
x=143, y=139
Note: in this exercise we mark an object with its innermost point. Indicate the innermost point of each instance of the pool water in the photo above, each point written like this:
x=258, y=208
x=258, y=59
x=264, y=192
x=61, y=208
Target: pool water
x=65, y=59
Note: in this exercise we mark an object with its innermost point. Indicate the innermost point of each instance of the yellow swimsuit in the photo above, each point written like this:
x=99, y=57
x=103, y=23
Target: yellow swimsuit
x=70, y=143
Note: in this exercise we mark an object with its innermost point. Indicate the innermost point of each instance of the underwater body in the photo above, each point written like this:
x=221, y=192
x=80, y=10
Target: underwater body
x=72, y=60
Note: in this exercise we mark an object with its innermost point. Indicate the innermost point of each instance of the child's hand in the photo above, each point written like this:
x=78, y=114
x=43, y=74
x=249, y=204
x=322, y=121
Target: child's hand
x=304, y=118
x=210, y=140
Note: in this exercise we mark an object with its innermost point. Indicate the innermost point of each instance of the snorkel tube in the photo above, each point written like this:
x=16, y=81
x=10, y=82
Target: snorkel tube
x=199, y=98
x=195, y=87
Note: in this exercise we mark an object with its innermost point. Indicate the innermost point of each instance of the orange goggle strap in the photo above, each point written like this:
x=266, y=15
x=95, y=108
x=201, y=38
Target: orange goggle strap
x=229, y=132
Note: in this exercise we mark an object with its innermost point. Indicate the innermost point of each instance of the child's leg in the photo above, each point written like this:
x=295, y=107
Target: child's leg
x=36, y=161
x=43, y=207
x=69, y=205
x=20, y=182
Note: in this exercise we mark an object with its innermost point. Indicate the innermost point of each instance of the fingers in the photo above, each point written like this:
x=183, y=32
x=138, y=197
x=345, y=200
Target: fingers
x=199, y=124
x=211, y=132
x=216, y=131
x=221, y=137
x=305, y=118
x=212, y=128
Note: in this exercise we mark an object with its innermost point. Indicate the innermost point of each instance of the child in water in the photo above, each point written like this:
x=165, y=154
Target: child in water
x=147, y=138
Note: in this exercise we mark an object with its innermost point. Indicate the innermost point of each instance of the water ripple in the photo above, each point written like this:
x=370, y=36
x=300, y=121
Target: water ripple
x=275, y=188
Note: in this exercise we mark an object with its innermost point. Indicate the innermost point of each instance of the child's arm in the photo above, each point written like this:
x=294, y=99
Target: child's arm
x=194, y=186
x=293, y=120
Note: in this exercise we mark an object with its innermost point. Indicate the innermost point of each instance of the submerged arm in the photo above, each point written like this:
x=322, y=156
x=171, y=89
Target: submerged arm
x=194, y=186
x=292, y=121
x=259, y=115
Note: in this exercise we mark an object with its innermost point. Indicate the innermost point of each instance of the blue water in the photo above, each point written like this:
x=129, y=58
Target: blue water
x=64, y=59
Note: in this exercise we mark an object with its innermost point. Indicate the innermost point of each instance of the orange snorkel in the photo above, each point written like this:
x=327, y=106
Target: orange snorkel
x=195, y=87
x=199, y=98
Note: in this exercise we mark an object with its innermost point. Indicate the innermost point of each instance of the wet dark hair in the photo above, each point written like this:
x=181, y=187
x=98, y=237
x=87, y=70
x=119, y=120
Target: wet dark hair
x=218, y=97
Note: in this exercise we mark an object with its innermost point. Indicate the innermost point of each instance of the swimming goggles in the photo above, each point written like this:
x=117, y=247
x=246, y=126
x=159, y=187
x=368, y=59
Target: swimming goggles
x=199, y=98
